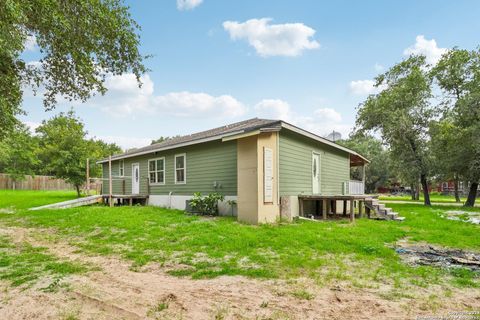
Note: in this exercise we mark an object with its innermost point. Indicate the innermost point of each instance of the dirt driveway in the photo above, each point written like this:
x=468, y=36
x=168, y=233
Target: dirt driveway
x=115, y=291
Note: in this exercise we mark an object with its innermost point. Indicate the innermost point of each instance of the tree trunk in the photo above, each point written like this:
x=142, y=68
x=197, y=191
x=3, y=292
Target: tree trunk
x=417, y=193
x=426, y=194
x=455, y=190
x=472, y=194
x=77, y=187
x=413, y=191
x=14, y=185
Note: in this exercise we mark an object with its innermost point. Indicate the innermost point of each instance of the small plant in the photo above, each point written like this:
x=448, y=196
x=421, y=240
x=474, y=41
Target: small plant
x=264, y=304
x=206, y=205
x=303, y=294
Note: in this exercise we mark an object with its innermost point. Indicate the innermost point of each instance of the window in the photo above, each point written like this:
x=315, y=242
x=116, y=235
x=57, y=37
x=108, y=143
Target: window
x=180, y=169
x=121, y=168
x=156, y=170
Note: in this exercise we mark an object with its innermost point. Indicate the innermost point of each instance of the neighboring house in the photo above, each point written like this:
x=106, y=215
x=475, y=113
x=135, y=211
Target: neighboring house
x=448, y=187
x=259, y=163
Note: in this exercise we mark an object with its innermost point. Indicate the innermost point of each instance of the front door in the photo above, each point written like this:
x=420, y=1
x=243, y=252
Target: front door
x=315, y=173
x=135, y=178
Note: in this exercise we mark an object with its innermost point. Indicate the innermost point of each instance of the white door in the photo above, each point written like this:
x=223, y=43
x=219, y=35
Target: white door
x=315, y=173
x=135, y=178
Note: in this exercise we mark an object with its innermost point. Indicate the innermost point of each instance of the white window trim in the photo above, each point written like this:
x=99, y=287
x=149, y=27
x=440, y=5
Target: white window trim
x=121, y=164
x=156, y=170
x=184, y=155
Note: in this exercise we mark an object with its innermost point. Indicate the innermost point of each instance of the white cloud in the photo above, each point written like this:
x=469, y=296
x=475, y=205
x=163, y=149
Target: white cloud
x=31, y=43
x=289, y=39
x=124, y=98
x=425, y=47
x=32, y=125
x=365, y=87
x=322, y=122
x=124, y=142
x=188, y=4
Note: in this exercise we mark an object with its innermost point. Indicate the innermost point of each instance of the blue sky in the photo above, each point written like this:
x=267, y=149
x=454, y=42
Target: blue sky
x=308, y=62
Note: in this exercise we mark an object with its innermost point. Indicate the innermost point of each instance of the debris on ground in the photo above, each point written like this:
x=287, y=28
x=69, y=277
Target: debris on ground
x=459, y=215
x=427, y=255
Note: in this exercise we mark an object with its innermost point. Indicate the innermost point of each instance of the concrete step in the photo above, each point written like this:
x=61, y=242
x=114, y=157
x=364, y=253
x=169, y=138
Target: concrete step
x=391, y=215
x=381, y=206
x=399, y=218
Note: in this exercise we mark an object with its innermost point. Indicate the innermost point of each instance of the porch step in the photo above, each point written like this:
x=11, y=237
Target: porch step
x=381, y=211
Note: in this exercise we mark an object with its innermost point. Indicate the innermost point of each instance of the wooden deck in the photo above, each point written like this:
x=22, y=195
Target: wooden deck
x=325, y=206
x=124, y=199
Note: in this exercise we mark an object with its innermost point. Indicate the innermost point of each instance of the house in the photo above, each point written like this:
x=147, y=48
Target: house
x=448, y=187
x=264, y=165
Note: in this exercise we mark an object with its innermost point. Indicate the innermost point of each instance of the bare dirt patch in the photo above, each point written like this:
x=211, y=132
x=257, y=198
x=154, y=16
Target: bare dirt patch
x=117, y=292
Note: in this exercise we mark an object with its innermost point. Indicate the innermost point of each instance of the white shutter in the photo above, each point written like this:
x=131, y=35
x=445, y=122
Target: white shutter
x=268, y=175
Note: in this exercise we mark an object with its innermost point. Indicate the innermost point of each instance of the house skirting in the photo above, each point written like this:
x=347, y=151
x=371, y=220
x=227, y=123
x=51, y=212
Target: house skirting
x=180, y=201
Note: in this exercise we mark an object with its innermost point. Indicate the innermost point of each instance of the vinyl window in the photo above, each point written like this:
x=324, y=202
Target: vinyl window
x=121, y=168
x=180, y=168
x=156, y=171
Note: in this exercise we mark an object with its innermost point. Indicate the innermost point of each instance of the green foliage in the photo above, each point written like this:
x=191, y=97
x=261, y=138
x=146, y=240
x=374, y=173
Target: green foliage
x=377, y=172
x=80, y=41
x=206, y=205
x=63, y=148
x=401, y=113
x=456, y=136
x=18, y=154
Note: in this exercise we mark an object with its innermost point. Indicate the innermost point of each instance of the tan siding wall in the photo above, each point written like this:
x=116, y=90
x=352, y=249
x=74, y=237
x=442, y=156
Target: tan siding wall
x=296, y=165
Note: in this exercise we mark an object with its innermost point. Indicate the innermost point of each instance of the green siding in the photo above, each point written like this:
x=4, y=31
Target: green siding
x=206, y=163
x=295, y=165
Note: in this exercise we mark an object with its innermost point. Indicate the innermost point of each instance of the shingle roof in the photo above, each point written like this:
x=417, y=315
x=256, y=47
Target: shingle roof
x=231, y=129
x=244, y=126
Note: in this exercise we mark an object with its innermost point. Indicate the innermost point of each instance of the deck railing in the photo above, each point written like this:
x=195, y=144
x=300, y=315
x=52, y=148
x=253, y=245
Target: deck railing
x=354, y=187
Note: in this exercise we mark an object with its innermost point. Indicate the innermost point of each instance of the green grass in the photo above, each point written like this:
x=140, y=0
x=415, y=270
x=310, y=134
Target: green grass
x=208, y=247
x=22, y=199
x=434, y=197
x=24, y=264
x=205, y=247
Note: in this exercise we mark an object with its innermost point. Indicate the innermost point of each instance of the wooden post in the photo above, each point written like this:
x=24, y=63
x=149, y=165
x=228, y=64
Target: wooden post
x=88, y=177
x=363, y=177
x=324, y=209
x=328, y=207
x=360, y=209
x=345, y=208
x=352, y=211
x=300, y=207
x=110, y=181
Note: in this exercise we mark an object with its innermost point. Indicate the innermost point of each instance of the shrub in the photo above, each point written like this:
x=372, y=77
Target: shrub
x=206, y=205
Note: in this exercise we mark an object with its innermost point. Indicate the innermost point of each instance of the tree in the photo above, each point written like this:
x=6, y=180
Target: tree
x=63, y=148
x=18, y=154
x=97, y=150
x=81, y=41
x=447, y=151
x=377, y=172
x=458, y=76
x=401, y=113
x=162, y=139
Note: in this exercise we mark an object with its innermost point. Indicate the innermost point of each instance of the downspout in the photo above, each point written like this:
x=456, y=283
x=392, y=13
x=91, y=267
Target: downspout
x=170, y=200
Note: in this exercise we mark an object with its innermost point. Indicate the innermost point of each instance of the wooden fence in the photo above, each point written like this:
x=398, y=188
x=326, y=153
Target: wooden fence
x=41, y=183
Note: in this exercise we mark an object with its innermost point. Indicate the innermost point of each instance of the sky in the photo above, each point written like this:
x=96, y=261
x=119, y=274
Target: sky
x=215, y=62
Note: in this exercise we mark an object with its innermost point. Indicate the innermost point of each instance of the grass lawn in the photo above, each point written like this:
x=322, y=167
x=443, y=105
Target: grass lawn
x=22, y=199
x=434, y=197
x=209, y=247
